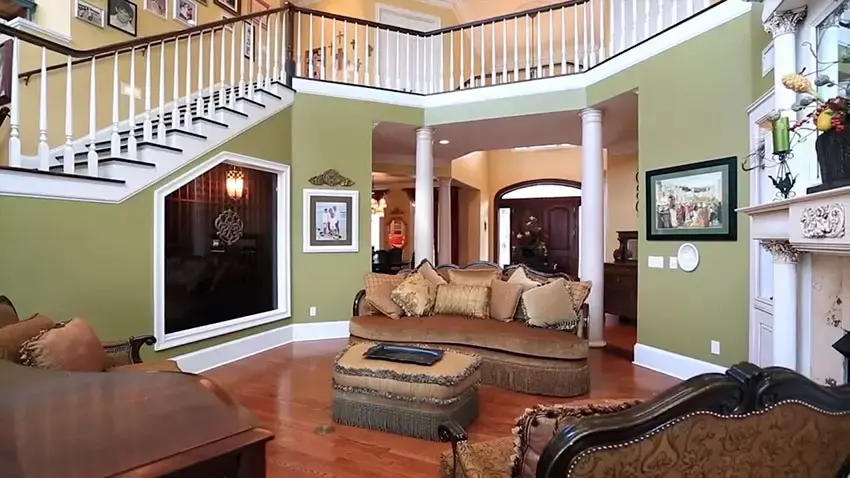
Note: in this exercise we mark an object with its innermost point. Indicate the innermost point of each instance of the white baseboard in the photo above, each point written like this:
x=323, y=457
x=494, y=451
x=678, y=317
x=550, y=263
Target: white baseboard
x=674, y=365
x=222, y=354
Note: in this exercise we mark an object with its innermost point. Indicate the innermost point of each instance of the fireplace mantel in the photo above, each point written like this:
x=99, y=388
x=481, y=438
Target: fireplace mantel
x=811, y=223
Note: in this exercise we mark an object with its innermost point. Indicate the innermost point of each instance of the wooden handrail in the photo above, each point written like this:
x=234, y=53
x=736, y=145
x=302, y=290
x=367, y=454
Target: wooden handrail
x=126, y=46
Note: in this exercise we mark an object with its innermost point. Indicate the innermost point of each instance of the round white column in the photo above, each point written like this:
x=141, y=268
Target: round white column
x=782, y=25
x=592, y=241
x=784, y=303
x=423, y=214
x=444, y=242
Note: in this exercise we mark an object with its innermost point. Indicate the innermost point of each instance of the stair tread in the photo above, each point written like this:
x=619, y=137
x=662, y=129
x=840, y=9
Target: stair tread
x=108, y=159
x=62, y=174
x=102, y=147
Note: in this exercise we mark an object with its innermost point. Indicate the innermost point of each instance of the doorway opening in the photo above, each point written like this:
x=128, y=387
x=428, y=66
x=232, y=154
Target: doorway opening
x=537, y=224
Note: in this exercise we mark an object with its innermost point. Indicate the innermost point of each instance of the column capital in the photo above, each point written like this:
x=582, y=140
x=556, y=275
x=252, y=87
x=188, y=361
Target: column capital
x=591, y=114
x=425, y=131
x=783, y=252
x=444, y=182
x=785, y=21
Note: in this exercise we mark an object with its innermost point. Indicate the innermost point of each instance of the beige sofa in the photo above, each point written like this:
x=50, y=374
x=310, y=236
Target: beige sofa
x=515, y=356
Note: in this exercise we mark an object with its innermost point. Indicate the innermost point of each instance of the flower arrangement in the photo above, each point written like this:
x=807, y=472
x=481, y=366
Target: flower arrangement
x=829, y=114
x=532, y=237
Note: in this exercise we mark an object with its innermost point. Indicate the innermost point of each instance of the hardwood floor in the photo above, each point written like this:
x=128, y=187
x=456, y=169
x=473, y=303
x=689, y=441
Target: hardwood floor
x=288, y=389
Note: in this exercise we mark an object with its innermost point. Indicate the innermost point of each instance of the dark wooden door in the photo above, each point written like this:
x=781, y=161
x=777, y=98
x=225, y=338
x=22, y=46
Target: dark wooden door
x=559, y=219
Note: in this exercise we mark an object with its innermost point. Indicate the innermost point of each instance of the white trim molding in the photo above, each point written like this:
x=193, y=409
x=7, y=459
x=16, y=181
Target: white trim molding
x=228, y=352
x=31, y=27
x=284, y=286
x=672, y=364
x=353, y=218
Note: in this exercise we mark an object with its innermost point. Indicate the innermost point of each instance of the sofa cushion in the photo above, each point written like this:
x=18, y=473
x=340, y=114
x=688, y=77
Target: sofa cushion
x=415, y=295
x=73, y=347
x=465, y=300
x=519, y=277
x=13, y=336
x=537, y=426
x=580, y=290
x=504, y=300
x=379, y=288
x=550, y=305
x=479, y=277
x=427, y=270
x=484, y=459
x=512, y=337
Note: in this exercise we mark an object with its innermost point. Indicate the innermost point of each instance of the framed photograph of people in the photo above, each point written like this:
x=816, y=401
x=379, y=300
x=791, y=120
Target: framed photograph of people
x=330, y=220
x=90, y=14
x=186, y=12
x=123, y=15
x=232, y=6
x=693, y=202
x=157, y=7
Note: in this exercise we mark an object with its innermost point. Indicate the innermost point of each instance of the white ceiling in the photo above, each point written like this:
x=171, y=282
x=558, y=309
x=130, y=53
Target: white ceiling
x=396, y=143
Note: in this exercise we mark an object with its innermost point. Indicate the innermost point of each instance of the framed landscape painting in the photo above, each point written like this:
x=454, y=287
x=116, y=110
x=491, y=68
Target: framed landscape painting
x=330, y=221
x=693, y=202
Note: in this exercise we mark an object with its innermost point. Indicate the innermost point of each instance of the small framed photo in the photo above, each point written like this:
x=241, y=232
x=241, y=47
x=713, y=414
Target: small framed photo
x=693, y=202
x=6, y=54
x=247, y=39
x=90, y=14
x=331, y=220
x=227, y=17
x=124, y=16
x=157, y=7
x=186, y=12
x=232, y=6
x=202, y=2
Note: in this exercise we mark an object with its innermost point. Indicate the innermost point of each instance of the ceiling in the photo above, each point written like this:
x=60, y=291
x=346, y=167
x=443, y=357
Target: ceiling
x=396, y=143
x=472, y=10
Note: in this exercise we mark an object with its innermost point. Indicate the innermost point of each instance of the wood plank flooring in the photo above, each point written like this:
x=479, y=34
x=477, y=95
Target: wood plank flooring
x=288, y=389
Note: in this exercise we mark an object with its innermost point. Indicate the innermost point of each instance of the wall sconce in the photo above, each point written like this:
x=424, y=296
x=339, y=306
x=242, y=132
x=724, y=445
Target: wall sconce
x=235, y=184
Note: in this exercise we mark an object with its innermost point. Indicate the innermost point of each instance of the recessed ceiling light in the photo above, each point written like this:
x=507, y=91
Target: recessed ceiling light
x=444, y=141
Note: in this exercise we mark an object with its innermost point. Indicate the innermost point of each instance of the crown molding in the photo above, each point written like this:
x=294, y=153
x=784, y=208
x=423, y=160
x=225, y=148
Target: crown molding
x=447, y=4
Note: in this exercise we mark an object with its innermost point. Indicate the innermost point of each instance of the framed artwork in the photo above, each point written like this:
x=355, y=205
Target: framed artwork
x=202, y=2
x=124, y=16
x=247, y=39
x=232, y=6
x=90, y=14
x=186, y=12
x=6, y=52
x=331, y=220
x=227, y=17
x=693, y=202
x=157, y=7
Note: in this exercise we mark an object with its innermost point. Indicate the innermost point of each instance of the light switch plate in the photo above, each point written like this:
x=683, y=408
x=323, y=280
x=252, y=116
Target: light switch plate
x=715, y=347
x=312, y=311
x=655, y=262
x=674, y=262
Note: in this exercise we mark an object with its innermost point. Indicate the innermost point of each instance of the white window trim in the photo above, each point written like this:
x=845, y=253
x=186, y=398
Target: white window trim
x=284, y=287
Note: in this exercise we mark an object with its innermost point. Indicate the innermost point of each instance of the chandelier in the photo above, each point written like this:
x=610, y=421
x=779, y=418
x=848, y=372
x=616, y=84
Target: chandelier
x=378, y=206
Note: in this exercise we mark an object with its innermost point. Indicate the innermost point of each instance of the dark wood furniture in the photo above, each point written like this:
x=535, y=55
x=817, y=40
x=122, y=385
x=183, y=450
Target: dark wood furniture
x=92, y=425
x=621, y=278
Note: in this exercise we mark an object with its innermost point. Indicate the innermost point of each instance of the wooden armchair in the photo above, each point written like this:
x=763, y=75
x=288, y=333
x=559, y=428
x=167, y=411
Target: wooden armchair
x=747, y=422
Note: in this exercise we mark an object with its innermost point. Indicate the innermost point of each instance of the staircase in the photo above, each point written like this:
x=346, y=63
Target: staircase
x=118, y=157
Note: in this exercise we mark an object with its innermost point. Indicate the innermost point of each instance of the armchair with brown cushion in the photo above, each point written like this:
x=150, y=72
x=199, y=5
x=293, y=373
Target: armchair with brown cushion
x=747, y=422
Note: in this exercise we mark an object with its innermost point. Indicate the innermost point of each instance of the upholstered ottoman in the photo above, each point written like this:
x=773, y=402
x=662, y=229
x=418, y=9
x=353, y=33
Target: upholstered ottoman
x=401, y=398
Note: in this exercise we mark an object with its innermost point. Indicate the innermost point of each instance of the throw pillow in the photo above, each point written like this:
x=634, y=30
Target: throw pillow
x=538, y=425
x=504, y=300
x=464, y=300
x=520, y=277
x=580, y=291
x=13, y=336
x=550, y=305
x=428, y=272
x=72, y=346
x=379, y=289
x=479, y=277
x=415, y=295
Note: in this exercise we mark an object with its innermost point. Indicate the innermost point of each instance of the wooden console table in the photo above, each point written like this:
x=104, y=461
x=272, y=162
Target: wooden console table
x=92, y=425
x=620, y=293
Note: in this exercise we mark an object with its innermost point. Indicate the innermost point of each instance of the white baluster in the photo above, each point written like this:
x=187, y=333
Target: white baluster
x=115, y=139
x=483, y=58
x=132, y=144
x=527, y=47
x=231, y=99
x=268, y=64
x=333, y=49
x=281, y=19
x=585, y=53
x=187, y=115
x=366, y=78
x=416, y=67
x=505, y=50
x=564, y=40
x=222, y=71
x=378, y=57
x=91, y=157
x=241, y=88
x=592, y=34
x=435, y=45
x=310, y=48
x=297, y=53
x=452, y=59
x=601, y=54
x=660, y=20
x=407, y=62
x=397, y=83
x=147, y=126
x=622, y=25
x=68, y=152
x=634, y=24
x=276, y=76
x=577, y=65
x=356, y=60
x=471, y=57
x=261, y=80
x=175, y=87
x=321, y=50
x=515, y=73
x=646, y=32
x=254, y=47
x=43, y=148
x=199, y=101
x=211, y=80
x=551, y=42
x=690, y=8
x=674, y=13
x=539, y=48
x=610, y=27
x=160, y=124
x=14, y=121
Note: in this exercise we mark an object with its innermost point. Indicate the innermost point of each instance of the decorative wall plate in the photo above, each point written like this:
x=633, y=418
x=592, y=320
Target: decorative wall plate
x=688, y=257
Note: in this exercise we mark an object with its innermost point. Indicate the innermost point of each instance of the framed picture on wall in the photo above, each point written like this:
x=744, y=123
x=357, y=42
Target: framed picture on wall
x=6, y=53
x=90, y=14
x=123, y=15
x=331, y=220
x=186, y=12
x=693, y=202
x=247, y=39
x=232, y=6
x=157, y=7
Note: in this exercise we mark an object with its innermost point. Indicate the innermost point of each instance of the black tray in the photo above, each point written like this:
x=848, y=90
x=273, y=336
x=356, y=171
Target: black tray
x=404, y=354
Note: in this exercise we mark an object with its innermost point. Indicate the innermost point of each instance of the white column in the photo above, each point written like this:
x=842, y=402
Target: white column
x=784, y=303
x=782, y=25
x=592, y=241
x=423, y=215
x=444, y=242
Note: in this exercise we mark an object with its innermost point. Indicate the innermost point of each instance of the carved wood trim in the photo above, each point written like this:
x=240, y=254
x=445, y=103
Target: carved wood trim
x=823, y=222
x=331, y=178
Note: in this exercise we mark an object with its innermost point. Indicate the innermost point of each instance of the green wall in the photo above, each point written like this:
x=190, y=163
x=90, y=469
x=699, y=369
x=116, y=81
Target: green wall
x=692, y=107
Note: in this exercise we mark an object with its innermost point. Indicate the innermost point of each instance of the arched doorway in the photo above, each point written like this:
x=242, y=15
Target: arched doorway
x=537, y=223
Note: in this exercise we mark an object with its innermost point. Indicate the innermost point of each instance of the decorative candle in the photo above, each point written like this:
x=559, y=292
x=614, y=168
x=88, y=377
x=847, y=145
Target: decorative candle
x=781, y=135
